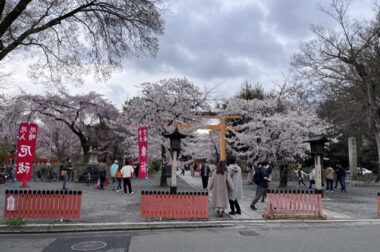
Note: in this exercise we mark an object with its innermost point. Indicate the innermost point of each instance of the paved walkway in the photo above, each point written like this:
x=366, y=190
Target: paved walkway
x=108, y=206
x=333, y=202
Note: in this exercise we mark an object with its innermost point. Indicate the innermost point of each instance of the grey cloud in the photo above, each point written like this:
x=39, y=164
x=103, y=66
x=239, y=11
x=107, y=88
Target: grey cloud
x=203, y=39
x=292, y=18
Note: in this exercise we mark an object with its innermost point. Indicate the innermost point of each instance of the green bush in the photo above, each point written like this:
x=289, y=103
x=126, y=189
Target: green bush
x=15, y=222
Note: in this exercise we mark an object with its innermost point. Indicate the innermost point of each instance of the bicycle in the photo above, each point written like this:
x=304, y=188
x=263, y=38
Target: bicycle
x=45, y=174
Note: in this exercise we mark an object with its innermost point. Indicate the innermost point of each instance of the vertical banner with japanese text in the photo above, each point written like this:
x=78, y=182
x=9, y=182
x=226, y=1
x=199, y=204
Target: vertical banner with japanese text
x=26, y=146
x=143, y=151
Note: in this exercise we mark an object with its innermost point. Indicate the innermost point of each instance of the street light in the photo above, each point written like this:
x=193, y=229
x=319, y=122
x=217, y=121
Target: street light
x=175, y=144
x=317, y=144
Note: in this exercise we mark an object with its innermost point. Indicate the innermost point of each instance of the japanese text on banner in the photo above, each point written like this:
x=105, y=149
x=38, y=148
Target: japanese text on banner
x=143, y=151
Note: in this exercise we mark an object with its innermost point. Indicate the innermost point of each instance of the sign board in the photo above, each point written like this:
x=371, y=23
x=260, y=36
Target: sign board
x=352, y=154
x=26, y=146
x=11, y=203
x=143, y=151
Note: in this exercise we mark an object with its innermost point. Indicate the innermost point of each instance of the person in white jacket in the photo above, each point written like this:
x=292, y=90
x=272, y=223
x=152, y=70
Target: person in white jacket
x=127, y=172
x=237, y=192
x=312, y=178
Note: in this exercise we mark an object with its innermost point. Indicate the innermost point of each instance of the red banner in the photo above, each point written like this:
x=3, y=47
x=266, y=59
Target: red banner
x=143, y=151
x=26, y=146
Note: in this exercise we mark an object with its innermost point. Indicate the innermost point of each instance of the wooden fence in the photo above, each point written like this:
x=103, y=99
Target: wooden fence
x=42, y=204
x=378, y=204
x=293, y=204
x=163, y=205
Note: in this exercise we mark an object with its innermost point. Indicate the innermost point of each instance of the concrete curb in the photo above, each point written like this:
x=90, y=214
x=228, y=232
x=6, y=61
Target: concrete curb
x=126, y=226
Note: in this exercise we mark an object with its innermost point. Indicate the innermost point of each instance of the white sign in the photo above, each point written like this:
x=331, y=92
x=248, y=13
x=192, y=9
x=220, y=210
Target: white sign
x=11, y=203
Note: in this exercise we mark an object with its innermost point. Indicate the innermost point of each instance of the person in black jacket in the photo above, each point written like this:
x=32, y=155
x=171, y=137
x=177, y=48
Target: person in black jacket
x=262, y=181
x=205, y=173
x=340, y=177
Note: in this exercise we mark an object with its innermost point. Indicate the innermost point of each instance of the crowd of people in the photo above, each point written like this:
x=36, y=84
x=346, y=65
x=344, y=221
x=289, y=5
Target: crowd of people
x=225, y=183
x=119, y=174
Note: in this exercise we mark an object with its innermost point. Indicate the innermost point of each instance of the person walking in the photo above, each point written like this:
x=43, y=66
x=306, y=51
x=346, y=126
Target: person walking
x=312, y=178
x=102, y=173
x=220, y=182
x=119, y=178
x=70, y=170
x=256, y=179
x=237, y=192
x=251, y=172
x=341, y=177
x=127, y=172
x=300, y=175
x=262, y=179
x=114, y=167
x=205, y=173
x=329, y=174
x=65, y=176
x=183, y=169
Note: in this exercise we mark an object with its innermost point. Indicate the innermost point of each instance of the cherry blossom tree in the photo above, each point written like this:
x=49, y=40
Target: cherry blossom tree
x=272, y=130
x=56, y=139
x=161, y=105
x=201, y=145
x=73, y=37
x=90, y=117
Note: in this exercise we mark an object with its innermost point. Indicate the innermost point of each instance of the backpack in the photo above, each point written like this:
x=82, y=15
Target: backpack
x=257, y=177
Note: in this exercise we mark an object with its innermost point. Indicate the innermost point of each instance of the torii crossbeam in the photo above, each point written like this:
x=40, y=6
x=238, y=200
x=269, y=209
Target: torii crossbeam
x=222, y=127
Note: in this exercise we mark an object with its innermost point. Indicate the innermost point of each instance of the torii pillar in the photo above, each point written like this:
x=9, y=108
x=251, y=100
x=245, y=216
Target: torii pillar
x=222, y=128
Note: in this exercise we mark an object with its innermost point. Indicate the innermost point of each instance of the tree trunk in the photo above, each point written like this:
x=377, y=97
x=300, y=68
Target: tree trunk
x=283, y=176
x=86, y=148
x=163, y=181
x=377, y=133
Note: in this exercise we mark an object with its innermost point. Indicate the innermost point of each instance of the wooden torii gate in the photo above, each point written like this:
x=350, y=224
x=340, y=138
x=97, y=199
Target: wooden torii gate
x=222, y=127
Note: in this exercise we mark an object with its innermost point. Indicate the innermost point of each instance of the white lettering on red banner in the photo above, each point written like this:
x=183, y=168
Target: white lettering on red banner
x=26, y=145
x=143, y=151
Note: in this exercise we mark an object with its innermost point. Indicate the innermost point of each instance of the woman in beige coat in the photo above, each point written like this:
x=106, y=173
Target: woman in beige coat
x=220, y=183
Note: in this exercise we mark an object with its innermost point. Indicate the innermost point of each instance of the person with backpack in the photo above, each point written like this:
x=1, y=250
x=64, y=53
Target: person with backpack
x=261, y=179
x=300, y=175
x=256, y=180
x=113, y=170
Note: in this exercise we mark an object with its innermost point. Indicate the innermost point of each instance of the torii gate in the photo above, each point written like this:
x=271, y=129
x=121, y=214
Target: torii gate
x=221, y=127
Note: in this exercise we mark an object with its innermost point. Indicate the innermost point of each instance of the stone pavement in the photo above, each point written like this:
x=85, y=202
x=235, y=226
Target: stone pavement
x=357, y=203
x=107, y=206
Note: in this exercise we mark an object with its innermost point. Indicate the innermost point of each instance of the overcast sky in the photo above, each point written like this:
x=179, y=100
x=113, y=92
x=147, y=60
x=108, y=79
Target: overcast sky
x=220, y=42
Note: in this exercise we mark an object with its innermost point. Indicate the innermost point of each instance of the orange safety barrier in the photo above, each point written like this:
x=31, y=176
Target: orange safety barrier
x=293, y=204
x=163, y=205
x=42, y=204
x=378, y=204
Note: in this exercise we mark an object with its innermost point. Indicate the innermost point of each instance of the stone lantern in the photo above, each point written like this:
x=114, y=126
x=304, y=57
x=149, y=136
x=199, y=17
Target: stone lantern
x=175, y=145
x=317, y=144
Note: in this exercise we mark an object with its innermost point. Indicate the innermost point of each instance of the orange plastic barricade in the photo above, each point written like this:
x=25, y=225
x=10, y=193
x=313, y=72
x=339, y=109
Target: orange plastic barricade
x=42, y=204
x=293, y=204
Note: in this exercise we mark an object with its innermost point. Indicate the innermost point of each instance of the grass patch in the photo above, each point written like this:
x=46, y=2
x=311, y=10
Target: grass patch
x=15, y=222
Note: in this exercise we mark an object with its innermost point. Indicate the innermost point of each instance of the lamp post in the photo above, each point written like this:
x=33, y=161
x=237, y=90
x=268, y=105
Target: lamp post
x=317, y=144
x=175, y=144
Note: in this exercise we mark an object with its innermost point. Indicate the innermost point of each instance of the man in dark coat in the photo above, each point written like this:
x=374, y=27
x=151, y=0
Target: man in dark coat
x=205, y=173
